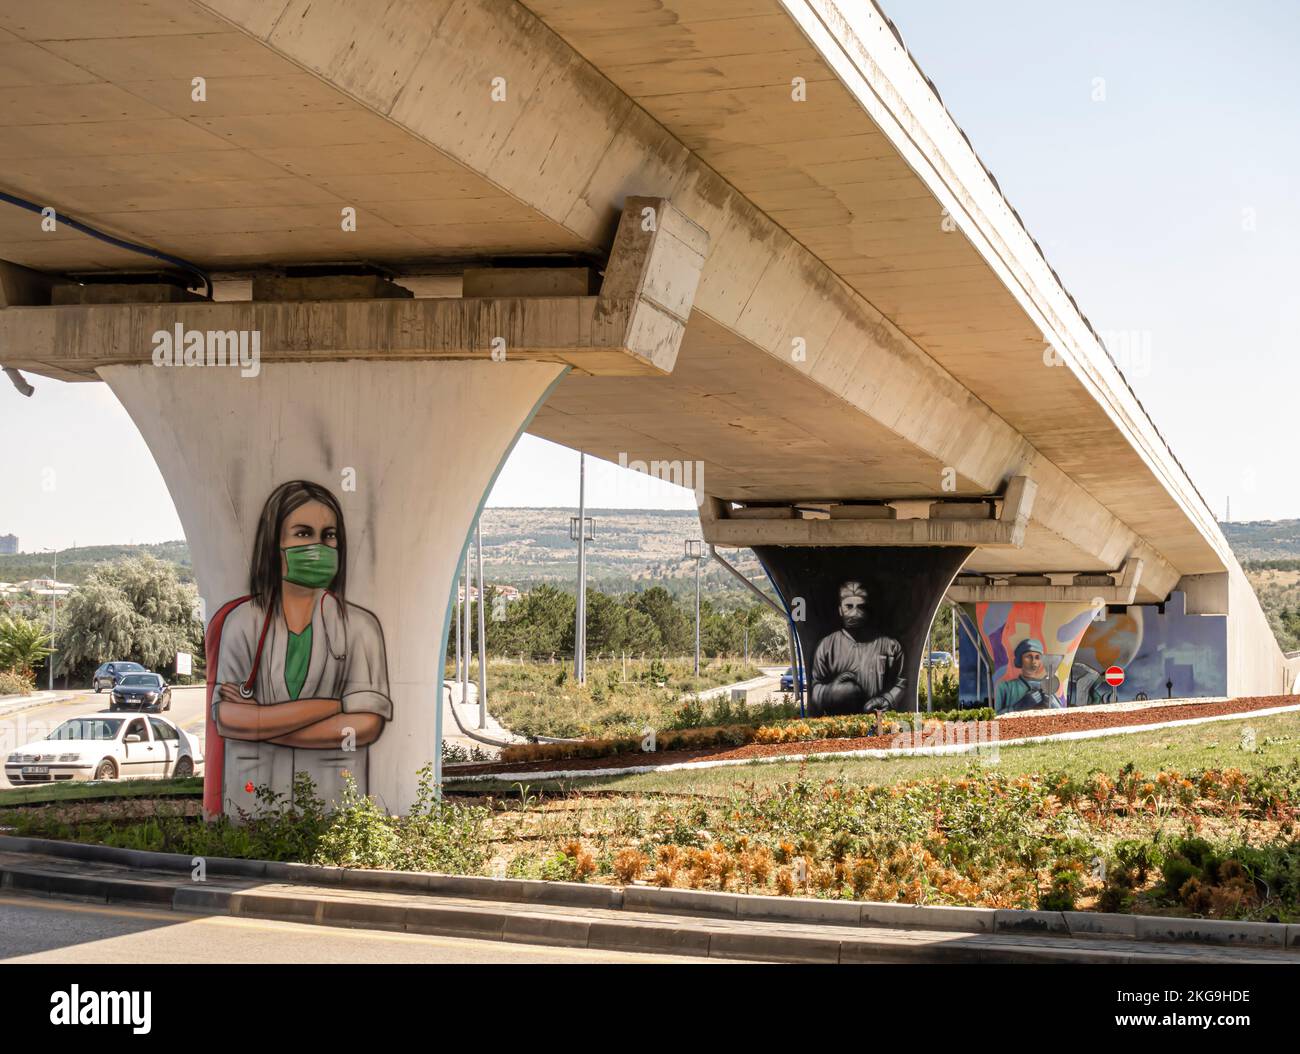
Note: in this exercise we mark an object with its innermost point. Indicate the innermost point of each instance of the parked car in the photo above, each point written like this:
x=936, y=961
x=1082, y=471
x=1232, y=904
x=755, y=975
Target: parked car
x=141, y=691
x=107, y=674
x=787, y=680
x=107, y=746
x=939, y=658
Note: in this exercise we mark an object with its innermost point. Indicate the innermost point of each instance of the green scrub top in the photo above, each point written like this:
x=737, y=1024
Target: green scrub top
x=297, y=658
x=1010, y=693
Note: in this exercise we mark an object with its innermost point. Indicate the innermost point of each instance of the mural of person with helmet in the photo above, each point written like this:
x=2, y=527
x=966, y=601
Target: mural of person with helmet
x=1034, y=688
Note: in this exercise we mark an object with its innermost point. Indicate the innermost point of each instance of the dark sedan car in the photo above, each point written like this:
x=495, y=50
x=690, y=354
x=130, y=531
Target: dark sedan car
x=787, y=680
x=111, y=672
x=141, y=691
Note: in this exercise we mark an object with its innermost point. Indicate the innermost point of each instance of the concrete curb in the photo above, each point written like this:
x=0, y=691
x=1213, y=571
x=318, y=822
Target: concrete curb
x=672, y=936
x=874, y=752
x=17, y=704
x=535, y=892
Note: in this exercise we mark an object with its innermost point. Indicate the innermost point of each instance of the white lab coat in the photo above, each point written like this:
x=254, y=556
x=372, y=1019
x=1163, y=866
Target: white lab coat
x=348, y=663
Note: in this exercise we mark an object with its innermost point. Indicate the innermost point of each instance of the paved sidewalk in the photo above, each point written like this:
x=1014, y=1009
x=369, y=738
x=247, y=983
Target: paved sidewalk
x=468, y=712
x=762, y=681
x=582, y=924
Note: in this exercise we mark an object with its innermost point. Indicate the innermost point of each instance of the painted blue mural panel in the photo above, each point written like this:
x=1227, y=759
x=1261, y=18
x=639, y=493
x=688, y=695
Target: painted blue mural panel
x=1164, y=652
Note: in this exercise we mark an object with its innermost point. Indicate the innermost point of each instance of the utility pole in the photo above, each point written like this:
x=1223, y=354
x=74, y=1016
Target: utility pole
x=695, y=548
x=464, y=631
x=581, y=530
x=54, y=613
x=482, y=634
x=456, y=673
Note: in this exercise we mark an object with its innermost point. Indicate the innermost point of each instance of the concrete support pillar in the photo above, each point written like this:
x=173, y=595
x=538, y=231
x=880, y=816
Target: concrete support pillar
x=862, y=614
x=1028, y=652
x=408, y=451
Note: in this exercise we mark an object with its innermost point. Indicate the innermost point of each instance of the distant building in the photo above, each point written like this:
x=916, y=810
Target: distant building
x=507, y=593
x=41, y=587
x=8, y=544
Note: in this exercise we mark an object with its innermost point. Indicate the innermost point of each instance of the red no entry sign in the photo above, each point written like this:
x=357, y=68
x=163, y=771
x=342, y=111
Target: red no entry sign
x=1115, y=676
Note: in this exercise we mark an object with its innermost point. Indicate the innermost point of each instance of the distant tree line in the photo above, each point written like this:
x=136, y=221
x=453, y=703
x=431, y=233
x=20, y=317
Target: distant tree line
x=135, y=609
x=541, y=623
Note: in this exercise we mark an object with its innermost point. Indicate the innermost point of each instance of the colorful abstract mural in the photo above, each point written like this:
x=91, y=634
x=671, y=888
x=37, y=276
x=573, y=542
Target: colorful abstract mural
x=1028, y=650
x=1163, y=651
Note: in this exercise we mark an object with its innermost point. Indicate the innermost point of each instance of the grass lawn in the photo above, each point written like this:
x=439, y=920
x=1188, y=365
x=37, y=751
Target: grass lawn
x=1219, y=744
x=1203, y=820
x=191, y=786
x=542, y=699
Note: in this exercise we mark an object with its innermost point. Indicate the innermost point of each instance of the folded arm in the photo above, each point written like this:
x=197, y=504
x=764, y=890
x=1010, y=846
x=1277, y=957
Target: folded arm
x=329, y=733
x=248, y=720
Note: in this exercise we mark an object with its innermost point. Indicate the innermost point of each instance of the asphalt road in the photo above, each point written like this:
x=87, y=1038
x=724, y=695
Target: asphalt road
x=51, y=931
x=29, y=725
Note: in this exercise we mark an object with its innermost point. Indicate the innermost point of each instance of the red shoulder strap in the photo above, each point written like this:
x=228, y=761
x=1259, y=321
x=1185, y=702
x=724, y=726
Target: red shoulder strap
x=214, y=747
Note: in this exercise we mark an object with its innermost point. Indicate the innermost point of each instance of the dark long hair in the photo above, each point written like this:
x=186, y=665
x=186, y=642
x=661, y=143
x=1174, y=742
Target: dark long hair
x=264, y=574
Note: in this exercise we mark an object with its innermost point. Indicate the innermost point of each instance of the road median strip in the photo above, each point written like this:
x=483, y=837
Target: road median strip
x=637, y=918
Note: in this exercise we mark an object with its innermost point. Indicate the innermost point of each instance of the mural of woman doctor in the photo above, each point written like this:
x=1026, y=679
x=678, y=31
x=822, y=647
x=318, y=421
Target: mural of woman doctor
x=301, y=673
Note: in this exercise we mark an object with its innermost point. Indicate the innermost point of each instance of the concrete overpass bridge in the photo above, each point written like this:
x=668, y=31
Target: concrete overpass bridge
x=740, y=240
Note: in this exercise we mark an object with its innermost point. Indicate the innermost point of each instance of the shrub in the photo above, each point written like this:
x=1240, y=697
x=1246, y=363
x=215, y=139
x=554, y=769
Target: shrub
x=1063, y=892
x=359, y=833
x=629, y=865
x=14, y=683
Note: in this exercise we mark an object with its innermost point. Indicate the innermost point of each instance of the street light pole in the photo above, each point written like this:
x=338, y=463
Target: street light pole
x=482, y=636
x=54, y=612
x=695, y=548
x=54, y=615
x=463, y=629
x=455, y=676
x=581, y=530
x=580, y=630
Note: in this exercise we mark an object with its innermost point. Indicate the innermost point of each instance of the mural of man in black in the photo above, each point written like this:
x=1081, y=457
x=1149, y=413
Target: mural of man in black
x=854, y=670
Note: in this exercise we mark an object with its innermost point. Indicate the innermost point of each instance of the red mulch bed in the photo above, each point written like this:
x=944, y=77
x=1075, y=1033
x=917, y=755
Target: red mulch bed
x=1009, y=729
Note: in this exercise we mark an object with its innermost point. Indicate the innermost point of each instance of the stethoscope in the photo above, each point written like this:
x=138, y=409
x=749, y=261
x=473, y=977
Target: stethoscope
x=246, y=689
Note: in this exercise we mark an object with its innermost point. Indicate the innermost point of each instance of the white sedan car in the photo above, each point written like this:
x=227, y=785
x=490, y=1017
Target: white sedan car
x=107, y=746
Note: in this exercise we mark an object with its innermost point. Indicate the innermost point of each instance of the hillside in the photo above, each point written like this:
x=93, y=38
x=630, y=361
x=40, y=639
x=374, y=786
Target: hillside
x=523, y=547
x=75, y=563
x=1264, y=540
x=636, y=548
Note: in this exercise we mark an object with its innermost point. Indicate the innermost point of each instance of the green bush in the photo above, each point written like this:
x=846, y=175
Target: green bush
x=359, y=834
x=1062, y=894
x=433, y=836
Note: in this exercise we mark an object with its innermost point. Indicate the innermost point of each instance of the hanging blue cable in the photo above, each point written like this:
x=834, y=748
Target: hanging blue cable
x=120, y=243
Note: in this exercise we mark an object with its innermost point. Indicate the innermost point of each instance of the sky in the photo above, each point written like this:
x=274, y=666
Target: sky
x=1152, y=148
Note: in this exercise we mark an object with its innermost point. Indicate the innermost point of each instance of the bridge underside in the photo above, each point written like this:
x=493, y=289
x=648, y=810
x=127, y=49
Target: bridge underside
x=830, y=305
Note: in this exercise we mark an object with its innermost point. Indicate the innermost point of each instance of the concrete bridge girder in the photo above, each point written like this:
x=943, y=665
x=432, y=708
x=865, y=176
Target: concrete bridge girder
x=571, y=146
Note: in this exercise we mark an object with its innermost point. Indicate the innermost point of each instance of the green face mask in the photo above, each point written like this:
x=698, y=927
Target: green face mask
x=313, y=566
